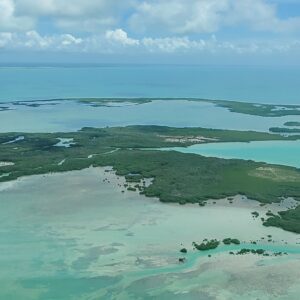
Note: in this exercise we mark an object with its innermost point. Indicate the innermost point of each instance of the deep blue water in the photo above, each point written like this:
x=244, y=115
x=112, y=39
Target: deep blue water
x=279, y=85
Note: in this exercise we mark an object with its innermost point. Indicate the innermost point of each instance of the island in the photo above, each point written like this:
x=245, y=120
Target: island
x=248, y=108
x=134, y=153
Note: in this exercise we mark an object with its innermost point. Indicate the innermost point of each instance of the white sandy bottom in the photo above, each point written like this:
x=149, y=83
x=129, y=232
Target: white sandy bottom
x=75, y=236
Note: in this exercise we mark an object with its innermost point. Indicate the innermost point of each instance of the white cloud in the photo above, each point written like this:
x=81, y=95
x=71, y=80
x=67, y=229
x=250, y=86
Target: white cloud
x=5, y=38
x=261, y=16
x=67, y=8
x=120, y=36
x=162, y=17
x=115, y=41
x=179, y=16
x=74, y=15
x=34, y=41
x=68, y=39
x=8, y=20
x=173, y=44
x=147, y=26
x=207, y=16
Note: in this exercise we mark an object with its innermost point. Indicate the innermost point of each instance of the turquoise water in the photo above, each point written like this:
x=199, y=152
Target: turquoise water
x=275, y=152
x=74, y=236
x=70, y=116
x=262, y=84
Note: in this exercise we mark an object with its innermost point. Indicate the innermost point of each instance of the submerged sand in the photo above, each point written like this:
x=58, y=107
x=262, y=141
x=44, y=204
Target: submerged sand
x=76, y=235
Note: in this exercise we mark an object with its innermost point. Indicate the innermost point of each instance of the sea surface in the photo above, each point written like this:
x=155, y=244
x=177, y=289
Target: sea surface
x=263, y=84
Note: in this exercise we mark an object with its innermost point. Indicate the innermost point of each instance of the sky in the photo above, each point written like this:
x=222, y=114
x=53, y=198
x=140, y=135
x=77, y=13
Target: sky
x=150, y=31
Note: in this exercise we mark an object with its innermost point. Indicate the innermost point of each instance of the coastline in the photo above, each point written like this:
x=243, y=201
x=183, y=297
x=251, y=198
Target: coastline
x=131, y=238
x=73, y=114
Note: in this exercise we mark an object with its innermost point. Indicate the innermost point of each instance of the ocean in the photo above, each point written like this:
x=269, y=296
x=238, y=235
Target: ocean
x=264, y=84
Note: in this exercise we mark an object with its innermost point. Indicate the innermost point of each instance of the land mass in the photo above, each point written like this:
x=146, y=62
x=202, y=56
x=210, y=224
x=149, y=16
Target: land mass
x=176, y=177
x=256, y=109
x=288, y=220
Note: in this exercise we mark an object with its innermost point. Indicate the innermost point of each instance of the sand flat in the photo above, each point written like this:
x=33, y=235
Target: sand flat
x=78, y=228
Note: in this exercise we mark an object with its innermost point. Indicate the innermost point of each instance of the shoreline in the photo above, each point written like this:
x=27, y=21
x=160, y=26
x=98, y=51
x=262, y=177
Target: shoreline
x=74, y=114
x=99, y=232
x=246, y=151
x=117, y=181
x=212, y=178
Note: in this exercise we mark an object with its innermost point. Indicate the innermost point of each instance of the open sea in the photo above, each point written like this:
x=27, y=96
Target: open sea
x=279, y=85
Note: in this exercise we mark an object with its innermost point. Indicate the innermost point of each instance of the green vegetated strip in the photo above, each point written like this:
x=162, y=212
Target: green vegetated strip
x=292, y=124
x=109, y=101
x=288, y=220
x=284, y=130
x=192, y=178
x=207, y=245
x=257, y=109
x=4, y=108
x=177, y=177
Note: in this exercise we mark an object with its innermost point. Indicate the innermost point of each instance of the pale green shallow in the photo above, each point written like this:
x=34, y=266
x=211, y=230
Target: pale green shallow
x=71, y=116
x=73, y=236
x=274, y=152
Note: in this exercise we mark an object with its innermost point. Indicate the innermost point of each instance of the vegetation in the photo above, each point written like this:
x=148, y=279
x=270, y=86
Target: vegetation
x=207, y=245
x=256, y=109
x=4, y=108
x=292, y=124
x=89, y=101
x=133, y=178
x=177, y=177
x=132, y=189
x=284, y=130
x=270, y=214
x=264, y=110
x=112, y=101
x=229, y=241
x=287, y=220
x=253, y=251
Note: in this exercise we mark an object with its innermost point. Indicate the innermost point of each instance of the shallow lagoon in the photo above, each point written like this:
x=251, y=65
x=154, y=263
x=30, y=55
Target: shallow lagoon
x=274, y=152
x=71, y=115
x=74, y=236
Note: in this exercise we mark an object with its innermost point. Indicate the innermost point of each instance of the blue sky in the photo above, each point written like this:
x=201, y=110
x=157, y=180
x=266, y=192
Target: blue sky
x=178, y=31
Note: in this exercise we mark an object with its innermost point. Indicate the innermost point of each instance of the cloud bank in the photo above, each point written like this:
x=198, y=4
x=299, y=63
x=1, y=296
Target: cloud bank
x=149, y=26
